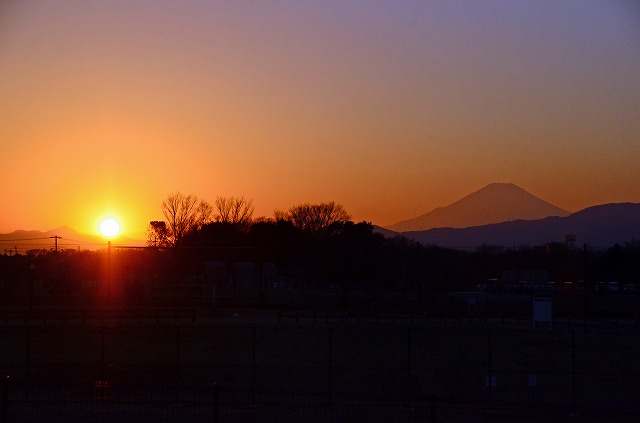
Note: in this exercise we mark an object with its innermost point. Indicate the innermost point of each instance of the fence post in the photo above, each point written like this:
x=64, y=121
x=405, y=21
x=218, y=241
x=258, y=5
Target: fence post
x=253, y=365
x=4, y=406
x=216, y=402
x=433, y=401
x=489, y=379
x=573, y=373
x=330, y=364
x=103, y=375
x=27, y=362
x=177, y=365
x=409, y=367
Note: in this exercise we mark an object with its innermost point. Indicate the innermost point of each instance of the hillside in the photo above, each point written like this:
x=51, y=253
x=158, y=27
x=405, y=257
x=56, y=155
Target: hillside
x=599, y=227
x=494, y=203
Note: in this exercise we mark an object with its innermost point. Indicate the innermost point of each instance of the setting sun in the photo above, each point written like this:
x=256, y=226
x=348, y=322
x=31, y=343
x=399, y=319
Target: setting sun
x=109, y=227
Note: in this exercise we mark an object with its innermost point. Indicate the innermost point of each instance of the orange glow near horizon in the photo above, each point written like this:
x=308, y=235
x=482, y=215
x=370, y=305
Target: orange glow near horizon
x=399, y=108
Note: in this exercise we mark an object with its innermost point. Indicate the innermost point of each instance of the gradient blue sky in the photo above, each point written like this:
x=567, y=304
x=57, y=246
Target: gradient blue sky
x=391, y=108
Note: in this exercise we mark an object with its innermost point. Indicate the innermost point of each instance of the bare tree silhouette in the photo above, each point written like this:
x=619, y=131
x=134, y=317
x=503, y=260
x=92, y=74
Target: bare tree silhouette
x=158, y=234
x=314, y=218
x=183, y=214
x=234, y=210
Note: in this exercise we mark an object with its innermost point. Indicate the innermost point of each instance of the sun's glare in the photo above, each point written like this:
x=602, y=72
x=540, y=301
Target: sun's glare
x=109, y=227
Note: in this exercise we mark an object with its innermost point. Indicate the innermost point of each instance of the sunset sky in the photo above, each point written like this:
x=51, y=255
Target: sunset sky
x=391, y=108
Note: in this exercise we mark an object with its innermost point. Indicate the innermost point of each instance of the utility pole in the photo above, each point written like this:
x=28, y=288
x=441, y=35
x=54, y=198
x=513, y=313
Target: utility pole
x=56, y=237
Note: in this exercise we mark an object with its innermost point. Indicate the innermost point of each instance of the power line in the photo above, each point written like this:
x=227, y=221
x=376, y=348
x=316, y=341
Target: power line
x=23, y=239
x=79, y=242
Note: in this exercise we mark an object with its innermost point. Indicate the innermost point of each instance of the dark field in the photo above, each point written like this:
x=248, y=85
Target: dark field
x=332, y=370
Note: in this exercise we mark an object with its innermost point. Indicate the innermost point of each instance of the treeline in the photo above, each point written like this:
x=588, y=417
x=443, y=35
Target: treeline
x=318, y=245
x=345, y=255
x=187, y=214
x=310, y=246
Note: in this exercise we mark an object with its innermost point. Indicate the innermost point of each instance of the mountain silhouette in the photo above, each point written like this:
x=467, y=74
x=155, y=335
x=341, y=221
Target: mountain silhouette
x=598, y=226
x=494, y=203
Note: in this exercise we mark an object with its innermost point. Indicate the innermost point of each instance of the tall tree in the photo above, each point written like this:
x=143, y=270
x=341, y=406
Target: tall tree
x=314, y=218
x=206, y=214
x=158, y=234
x=234, y=210
x=183, y=214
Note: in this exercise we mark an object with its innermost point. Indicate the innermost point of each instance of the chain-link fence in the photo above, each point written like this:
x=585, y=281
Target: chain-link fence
x=132, y=371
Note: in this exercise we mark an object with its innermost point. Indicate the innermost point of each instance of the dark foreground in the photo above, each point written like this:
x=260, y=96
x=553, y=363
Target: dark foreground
x=256, y=366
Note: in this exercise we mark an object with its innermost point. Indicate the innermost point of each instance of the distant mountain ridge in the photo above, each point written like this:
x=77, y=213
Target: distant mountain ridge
x=495, y=203
x=68, y=239
x=598, y=226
